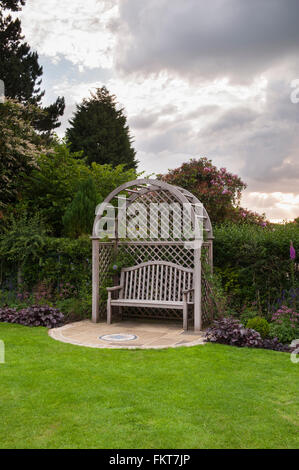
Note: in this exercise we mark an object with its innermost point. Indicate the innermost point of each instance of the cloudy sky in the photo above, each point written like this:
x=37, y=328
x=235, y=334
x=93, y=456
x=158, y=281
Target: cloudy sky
x=196, y=78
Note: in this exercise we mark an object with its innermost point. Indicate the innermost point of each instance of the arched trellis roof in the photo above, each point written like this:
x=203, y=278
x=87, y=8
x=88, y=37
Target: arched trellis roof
x=145, y=186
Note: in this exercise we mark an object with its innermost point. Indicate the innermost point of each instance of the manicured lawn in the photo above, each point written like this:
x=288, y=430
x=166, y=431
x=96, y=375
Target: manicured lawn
x=55, y=395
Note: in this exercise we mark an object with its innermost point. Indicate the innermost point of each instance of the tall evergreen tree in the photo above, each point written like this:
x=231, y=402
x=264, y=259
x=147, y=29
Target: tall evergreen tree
x=20, y=70
x=100, y=129
x=13, y=5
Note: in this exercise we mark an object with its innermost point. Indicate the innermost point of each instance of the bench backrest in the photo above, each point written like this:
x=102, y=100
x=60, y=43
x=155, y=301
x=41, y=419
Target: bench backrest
x=156, y=280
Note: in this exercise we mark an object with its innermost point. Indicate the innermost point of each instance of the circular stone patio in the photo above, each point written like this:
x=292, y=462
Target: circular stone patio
x=126, y=335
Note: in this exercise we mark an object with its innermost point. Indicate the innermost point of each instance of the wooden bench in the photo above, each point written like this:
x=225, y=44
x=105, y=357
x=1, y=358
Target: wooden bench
x=154, y=284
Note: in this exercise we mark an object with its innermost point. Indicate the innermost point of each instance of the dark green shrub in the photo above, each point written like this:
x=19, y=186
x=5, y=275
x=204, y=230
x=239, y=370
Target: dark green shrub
x=260, y=325
x=284, y=332
x=248, y=314
x=56, y=261
x=72, y=309
x=79, y=214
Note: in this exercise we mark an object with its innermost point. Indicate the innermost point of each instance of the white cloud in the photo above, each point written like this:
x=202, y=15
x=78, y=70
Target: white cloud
x=277, y=205
x=76, y=30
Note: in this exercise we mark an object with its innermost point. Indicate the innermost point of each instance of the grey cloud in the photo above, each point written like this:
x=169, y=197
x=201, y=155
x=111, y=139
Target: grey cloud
x=267, y=142
x=143, y=121
x=232, y=120
x=200, y=111
x=178, y=138
x=207, y=39
x=260, y=145
x=146, y=119
x=169, y=109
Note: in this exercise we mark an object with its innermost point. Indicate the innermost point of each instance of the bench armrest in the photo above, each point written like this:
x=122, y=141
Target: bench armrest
x=188, y=290
x=111, y=289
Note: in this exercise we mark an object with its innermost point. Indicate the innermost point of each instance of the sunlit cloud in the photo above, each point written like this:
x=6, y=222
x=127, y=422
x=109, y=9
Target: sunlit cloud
x=278, y=206
x=77, y=30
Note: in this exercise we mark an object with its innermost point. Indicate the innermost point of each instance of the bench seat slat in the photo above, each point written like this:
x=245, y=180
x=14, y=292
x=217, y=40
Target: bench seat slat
x=147, y=303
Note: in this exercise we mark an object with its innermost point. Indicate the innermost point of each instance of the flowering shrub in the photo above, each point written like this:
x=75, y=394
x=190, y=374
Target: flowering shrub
x=285, y=324
x=288, y=297
x=230, y=331
x=67, y=290
x=286, y=313
x=35, y=315
x=43, y=291
x=23, y=296
x=292, y=251
x=218, y=190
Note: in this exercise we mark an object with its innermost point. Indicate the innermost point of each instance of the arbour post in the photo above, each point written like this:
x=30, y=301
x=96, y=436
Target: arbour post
x=95, y=280
x=197, y=290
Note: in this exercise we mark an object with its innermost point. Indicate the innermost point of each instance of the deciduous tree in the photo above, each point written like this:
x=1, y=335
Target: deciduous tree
x=19, y=147
x=51, y=188
x=218, y=190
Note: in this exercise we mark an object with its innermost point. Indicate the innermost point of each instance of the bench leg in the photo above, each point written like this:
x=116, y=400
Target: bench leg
x=109, y=311
x=185, y=316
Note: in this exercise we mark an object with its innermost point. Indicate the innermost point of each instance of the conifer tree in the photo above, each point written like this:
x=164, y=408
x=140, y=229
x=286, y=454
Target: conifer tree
x=20, y=70
x=100, y=129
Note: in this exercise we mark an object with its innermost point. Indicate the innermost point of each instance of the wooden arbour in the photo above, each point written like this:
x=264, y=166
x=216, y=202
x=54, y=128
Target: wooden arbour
x=171, y=246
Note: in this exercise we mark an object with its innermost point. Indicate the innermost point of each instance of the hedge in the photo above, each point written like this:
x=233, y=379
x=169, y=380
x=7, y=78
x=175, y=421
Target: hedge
x=253, y=263
x=59, y=260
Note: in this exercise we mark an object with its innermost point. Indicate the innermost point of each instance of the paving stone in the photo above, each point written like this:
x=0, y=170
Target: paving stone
x=149, y=335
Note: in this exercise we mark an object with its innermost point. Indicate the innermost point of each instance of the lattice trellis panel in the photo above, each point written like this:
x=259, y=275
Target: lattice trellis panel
x=173, y=221
x=105, y=279
x=175, y=253
x=208, y=303
x=139, y=253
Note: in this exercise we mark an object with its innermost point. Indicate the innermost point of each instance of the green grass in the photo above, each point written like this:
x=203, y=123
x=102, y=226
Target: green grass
x=55, y=395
